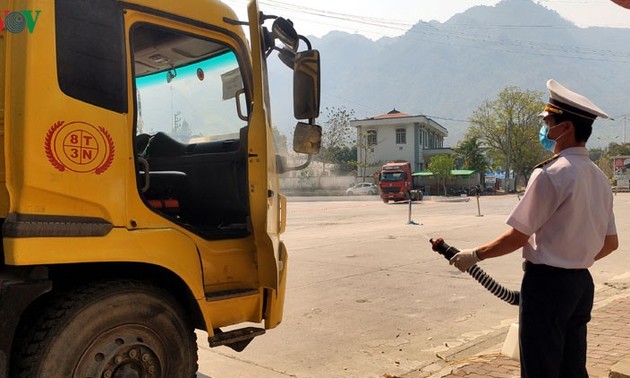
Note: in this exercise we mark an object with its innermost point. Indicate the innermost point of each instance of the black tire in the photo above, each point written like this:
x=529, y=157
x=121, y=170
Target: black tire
x=111, y=328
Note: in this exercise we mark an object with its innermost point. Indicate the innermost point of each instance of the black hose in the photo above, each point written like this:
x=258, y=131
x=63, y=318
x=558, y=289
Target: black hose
x=510, y=296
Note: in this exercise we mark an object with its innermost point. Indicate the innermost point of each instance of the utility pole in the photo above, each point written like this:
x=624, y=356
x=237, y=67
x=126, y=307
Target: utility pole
x=507, y=163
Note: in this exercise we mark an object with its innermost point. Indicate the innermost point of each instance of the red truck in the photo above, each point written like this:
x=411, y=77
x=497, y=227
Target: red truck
x=396, y=184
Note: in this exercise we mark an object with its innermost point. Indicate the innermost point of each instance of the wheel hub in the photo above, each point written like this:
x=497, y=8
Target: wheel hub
x=129, y=351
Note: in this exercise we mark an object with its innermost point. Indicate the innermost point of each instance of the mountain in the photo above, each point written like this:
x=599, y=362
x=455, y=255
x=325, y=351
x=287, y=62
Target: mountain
x=446, y=70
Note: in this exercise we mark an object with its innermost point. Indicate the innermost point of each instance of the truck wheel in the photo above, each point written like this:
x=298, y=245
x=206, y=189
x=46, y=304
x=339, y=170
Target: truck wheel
x=108, y=329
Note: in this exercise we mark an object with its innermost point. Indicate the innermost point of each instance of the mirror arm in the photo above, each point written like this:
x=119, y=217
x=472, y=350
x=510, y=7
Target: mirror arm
x=264, y=17
x=308, y=43
x=299, y=167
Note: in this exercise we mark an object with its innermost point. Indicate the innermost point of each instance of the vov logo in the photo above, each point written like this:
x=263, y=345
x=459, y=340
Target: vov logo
x=17, y=21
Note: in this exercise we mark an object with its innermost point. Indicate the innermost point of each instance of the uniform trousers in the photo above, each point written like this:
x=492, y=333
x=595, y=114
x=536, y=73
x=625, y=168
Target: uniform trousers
x=555, y=306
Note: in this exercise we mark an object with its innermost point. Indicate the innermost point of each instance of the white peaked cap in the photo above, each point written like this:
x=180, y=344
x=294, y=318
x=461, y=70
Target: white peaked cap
x=562, y=99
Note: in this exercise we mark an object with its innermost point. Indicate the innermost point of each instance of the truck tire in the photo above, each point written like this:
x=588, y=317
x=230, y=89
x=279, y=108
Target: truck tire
x=107, y=329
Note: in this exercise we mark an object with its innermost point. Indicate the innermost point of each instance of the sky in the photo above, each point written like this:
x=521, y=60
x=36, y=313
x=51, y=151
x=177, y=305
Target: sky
x=379, y=18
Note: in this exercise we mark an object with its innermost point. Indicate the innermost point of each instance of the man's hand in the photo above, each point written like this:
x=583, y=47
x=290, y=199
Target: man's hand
x=464, y=259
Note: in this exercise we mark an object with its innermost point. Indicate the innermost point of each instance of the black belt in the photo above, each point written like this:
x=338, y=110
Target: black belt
x=529, y=266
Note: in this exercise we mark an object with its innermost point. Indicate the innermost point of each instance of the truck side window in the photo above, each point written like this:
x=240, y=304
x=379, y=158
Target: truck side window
x=91, y=64
x=186, y=86
x=189, y=133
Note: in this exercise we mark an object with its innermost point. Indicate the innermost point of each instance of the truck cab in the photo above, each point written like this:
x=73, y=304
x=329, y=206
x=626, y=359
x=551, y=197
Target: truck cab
x=140, y=197
x=396, y=183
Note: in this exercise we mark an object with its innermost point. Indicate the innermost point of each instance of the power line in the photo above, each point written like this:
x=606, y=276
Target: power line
x=459, y=35
x=455, y=37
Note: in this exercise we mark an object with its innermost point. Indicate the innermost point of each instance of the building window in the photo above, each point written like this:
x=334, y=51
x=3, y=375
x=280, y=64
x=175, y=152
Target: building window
x=371, y=137
x=401, y=136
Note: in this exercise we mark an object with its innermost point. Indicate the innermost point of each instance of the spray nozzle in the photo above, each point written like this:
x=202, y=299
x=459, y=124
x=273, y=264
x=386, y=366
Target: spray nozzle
x=440, y=246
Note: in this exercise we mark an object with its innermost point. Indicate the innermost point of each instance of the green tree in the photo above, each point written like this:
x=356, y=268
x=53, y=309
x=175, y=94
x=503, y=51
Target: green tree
x=618, y=149
x=509, y=126
x=441, y=166
x=469, y=152
x=605, y=163
x=345, y=159
x=336, y=133
x=365, y=154
x=603, y=157
x=597, y=153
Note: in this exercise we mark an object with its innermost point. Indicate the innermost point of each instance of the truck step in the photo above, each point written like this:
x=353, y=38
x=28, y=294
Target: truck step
x=237, y=339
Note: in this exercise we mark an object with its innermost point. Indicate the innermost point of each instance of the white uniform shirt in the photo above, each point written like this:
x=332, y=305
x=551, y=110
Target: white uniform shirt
x=567, y=210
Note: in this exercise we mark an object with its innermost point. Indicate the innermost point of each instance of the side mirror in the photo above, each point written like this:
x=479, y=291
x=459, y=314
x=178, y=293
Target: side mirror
x=306, y=85
x=287, y=57
x=307, y=139
x=283, y=29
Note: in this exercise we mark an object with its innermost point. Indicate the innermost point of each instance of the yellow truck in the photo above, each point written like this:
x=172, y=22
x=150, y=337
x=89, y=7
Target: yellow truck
x=139, y=190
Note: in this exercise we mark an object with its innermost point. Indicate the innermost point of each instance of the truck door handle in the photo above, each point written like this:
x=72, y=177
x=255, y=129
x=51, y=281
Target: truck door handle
x=145, y=170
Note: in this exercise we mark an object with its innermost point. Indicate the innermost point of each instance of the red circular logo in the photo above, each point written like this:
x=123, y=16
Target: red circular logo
x=79, y=147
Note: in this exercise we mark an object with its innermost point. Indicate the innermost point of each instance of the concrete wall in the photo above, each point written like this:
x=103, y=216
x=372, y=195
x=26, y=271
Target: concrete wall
x=316, y=185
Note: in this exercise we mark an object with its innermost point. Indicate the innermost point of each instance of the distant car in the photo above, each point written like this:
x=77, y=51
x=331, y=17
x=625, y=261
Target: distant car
x=361, y=189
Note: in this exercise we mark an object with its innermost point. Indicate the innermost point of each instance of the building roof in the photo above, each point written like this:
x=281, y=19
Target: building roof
x=392, y=114
x=395, y=117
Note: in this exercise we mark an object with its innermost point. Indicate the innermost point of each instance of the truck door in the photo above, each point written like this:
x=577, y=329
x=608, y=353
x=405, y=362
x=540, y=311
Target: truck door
x=267, y=204
x=206, y=159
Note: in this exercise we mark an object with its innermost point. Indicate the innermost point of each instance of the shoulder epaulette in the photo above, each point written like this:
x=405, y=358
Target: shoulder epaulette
x=545, y=162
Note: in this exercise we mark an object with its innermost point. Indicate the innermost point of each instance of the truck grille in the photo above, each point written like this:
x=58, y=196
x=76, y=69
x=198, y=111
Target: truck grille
x=391, y=190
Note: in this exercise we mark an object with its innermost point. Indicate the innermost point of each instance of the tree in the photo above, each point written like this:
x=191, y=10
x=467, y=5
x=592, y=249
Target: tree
x=345, y=159
x=509, y=126
x=365, y=153
x=597, y=153
x=280, y=142
x=441, y=166
x=336, y=133
x=618, y=149
x=603, y=157
x=469, y=152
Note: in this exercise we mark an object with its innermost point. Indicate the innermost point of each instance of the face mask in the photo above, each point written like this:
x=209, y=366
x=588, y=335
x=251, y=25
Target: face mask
x=548, y=144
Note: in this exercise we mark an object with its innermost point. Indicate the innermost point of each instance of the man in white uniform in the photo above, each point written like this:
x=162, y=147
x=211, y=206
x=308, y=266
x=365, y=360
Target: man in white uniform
x=564, y=222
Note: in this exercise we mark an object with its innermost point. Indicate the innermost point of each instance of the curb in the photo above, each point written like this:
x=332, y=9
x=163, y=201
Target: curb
x=475, y=346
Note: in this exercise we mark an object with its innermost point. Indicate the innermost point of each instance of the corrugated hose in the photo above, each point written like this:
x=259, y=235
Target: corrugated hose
x=510, y=296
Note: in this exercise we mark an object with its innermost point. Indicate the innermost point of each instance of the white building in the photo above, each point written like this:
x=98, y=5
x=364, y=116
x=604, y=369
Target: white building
x=398, y=136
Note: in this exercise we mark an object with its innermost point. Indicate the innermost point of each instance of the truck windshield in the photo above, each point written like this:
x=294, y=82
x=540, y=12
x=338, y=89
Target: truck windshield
x=393, y=176
x=186, y=87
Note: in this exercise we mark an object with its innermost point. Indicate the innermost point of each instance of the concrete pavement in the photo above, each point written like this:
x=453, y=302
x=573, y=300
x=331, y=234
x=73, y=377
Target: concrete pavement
x=608, y=344
x=367, y=298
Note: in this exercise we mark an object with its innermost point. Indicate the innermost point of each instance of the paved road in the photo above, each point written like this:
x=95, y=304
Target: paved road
x=367, y=297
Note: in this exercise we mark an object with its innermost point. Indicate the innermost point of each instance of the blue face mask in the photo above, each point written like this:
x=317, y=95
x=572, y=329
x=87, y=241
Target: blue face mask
x=548, y=144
